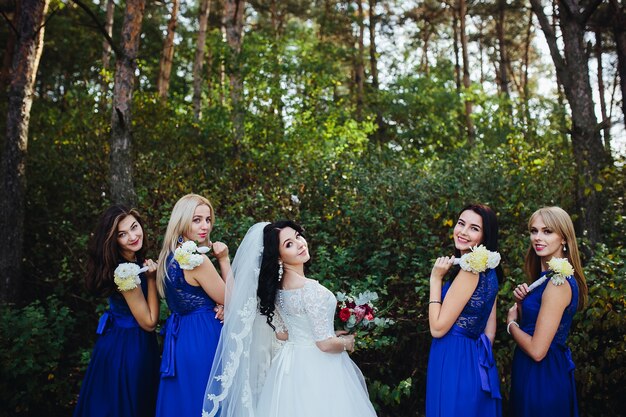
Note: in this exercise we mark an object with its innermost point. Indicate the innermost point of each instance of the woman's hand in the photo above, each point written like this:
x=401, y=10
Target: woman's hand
x=348, y=341
x=220, y=250
x=520, y=292
x=219, y=312
x=513, y=314
x=441, y=267
x=152, y=267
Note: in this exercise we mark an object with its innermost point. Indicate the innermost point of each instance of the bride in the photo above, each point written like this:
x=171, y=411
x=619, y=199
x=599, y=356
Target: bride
x=269, y=298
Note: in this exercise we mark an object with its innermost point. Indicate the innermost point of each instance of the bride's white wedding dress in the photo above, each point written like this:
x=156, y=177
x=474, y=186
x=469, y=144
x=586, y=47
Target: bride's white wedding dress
x=302, y=380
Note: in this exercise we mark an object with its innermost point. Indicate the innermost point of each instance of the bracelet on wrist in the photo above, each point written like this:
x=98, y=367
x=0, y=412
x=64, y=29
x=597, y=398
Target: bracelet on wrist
x=508, y=326
x=434, y=302
x=343, y=340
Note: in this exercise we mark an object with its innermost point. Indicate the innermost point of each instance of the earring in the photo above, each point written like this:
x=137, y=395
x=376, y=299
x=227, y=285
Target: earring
x=564, y=247
x=280, y=270
x=180, y=239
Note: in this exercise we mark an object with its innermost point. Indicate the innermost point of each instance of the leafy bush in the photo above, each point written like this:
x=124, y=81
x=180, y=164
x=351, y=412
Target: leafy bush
x=36, y=360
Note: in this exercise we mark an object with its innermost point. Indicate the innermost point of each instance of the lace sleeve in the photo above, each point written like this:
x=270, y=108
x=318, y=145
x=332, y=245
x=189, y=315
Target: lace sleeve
x=319, y=312
x=278, y=322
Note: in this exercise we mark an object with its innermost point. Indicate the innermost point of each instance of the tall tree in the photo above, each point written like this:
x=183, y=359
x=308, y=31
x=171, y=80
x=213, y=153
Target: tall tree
x=121, y=162
x=28, y=47
x=359, y=62
x=469, y=125
x=380, y=132
x=10, y=12
x=198, y=62
x=503, y=81
x=233, y=24
x=106, y=49
x=572, y=69
x=619, y=33
x=167, y=55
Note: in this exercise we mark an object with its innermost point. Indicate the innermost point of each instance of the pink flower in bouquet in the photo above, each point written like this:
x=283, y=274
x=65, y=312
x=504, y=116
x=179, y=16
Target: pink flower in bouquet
x=360, y=312
x=369, y=316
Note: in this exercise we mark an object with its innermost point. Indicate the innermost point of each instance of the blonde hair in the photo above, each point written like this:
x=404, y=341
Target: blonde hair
x=560, y=223
x=179, y=225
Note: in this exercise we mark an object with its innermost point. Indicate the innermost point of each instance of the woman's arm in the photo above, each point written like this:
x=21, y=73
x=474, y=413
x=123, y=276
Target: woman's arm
x=337, y=344
x=490, y=329
x=554, y=301
x=220, y=251
x=206, y=276
x=145, y=311
x=442, y=316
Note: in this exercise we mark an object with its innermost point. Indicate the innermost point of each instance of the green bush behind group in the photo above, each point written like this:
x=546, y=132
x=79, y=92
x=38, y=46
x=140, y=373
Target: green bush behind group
x=377, y=212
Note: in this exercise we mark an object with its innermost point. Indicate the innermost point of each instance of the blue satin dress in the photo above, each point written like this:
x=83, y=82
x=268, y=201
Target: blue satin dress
x=462, y=378
x=191, y=336
x=545, y=388
x=123, y=374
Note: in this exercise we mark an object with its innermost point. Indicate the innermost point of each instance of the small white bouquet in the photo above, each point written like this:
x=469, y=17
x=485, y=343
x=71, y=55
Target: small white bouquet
x=560, y=269
x=126, y=276
x=189, y=255
x=478, y=260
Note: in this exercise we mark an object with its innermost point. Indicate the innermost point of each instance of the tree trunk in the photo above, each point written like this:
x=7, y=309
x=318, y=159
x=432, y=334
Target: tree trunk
x=167, y=56
x=359, y=68
x=121, y=161
x=380, y=132
x=589, y=154
x=198, y=63
x=606, y=123
x=106, y=51
x=469, y=125
x=28, y=47
x=233, y=23
x=457, y=64
x=7, y=60
x=503, y=81
x=619, y=33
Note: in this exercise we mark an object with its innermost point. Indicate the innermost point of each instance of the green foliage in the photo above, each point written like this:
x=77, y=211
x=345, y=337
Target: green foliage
x=36, y=360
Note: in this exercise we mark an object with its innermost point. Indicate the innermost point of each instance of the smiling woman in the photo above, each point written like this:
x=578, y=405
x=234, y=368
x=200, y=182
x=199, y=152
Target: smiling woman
x=461, y=380
x=194, y=294
x=122, y=376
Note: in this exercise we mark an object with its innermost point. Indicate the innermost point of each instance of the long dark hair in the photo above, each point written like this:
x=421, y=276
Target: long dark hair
x=268, y=275
x=490, y=232
x=104, y=252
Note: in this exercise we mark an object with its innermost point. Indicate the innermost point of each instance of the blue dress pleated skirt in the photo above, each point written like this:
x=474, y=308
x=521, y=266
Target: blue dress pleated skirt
x=462, y=378
x=191, y=336
x=123, y=374
x=546, y=388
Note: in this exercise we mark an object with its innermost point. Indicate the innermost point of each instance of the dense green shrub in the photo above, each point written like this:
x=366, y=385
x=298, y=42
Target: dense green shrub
x=36, y=358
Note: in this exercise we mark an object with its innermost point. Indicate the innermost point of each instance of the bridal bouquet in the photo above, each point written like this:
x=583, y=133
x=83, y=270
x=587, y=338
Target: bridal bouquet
x=478, y=260
x=358, y=313
x=189, y=255
x=126, y=276
x=560, y=269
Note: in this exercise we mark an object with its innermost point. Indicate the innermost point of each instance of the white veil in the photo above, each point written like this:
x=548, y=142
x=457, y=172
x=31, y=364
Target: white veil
x=244, y=351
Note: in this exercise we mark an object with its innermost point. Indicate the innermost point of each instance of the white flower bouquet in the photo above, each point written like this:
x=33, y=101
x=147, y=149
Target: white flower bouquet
x=126, y=276
x=189, y=255
x=560, y=269
x=478, y=260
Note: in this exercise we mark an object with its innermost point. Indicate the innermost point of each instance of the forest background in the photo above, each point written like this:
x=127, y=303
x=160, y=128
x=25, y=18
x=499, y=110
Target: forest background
x=371, y=123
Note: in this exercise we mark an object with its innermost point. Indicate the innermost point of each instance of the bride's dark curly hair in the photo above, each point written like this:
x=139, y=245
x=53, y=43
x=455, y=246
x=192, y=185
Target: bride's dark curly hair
x=268, y=276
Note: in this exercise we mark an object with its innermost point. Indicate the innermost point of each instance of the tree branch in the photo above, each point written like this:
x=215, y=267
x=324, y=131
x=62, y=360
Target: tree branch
x=586, y=14
x=559, y=62
x=580, y=13
x=99, y=26
x=10, y=23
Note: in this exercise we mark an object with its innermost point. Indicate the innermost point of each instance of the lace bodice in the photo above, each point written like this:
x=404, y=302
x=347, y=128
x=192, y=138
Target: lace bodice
x=475, y=314
x=183, y=298
x=532, y=304
x=308, y=312
x=117, y=303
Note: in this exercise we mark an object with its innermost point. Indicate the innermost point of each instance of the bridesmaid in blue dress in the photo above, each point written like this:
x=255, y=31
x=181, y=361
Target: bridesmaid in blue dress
x=195, y=297
x=123, y=374
x=542, y=380
x=462, y=378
